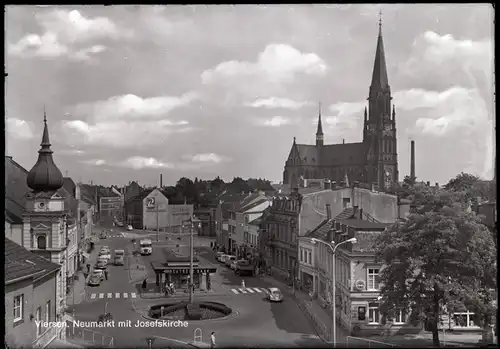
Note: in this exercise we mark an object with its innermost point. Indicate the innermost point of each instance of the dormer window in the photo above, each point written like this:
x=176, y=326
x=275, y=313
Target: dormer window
x=41, y=242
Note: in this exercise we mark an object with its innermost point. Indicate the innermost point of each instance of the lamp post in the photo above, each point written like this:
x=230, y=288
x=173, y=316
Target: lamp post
x=333, y=247
x=190, y=222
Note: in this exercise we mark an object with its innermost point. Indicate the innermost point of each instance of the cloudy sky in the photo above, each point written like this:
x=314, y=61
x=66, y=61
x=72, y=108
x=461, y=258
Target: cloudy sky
x=131, y=91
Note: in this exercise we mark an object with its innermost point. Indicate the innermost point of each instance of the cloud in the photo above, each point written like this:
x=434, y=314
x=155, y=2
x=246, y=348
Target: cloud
x=120, y=134
x=275, y=102
x=63, y=33
x=206, y=158
x=140, y=162
x=133, y=107
x=275, y=67
x=445, y=111
x=19, y=129
x=275, y=121
x=346, y=109
x=71, y=152
x=95, y=162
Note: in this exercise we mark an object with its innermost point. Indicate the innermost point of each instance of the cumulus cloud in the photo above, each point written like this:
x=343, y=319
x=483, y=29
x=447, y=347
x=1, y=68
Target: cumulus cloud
x=275, y=102
x=140, y=162
x=346, y=109
x=120, y=134
x=133, y=107
x=275, y=67
x=206, y=158
x=95, y=162
x=63, y=34
x=275, y=121
x=19, y=129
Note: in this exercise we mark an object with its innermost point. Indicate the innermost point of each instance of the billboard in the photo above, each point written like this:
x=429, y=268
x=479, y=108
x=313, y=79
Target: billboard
x=177, y=214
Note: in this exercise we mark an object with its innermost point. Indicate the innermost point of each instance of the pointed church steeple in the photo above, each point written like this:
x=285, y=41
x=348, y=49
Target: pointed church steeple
x=45, y=176
x=379, y=76
x=319, y=132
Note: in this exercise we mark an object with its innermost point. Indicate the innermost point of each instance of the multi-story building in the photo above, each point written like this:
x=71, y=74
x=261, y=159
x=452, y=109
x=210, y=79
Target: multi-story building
x=31, y=284
x=240, y=215
x=110, y=209
x=206, y=215
x=374, y=160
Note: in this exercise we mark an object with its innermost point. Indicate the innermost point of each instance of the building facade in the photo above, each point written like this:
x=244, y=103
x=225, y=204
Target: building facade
x=155, y=207
x=374, y=160
x=30, y=295
x=307, y=271
x=110, y=209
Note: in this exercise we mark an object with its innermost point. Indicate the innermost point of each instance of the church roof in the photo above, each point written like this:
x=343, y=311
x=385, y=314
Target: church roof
x=45, y=176
x=332, y=154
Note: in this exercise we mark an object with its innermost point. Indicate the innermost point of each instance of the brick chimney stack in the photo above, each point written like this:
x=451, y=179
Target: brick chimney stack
x=412, y=161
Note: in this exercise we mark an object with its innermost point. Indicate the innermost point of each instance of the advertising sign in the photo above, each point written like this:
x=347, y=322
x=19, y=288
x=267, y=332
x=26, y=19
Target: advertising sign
x=150, y=203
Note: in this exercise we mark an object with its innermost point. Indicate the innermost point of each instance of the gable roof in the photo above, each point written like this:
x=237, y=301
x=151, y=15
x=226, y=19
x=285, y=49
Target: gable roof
x=342, y=154
x=362, y=224
x=321, y=231
x=21, y=263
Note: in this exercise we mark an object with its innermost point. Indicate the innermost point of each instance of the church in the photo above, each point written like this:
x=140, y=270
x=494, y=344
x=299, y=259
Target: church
x=373, y=161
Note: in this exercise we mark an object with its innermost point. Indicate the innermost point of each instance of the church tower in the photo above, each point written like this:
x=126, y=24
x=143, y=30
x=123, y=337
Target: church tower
x=319, y=132
x=44, y=220
x=379, y=133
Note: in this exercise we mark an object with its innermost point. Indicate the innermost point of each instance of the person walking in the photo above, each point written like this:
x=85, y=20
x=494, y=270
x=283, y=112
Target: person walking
x=243, y=284
x=88, y=268
x=212, y=340
x=144, y=284
x=106, y=273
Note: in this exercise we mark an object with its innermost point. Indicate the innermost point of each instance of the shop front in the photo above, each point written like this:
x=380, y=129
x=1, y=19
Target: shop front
x=178, y=273
x=306, y=278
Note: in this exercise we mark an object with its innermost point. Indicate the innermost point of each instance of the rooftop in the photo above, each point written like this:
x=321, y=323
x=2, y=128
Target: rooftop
x=361, y=224
x=21, y=263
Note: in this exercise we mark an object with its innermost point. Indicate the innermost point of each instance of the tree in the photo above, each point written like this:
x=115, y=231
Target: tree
x=432, y=259
x=408, y=181
x=461, y=182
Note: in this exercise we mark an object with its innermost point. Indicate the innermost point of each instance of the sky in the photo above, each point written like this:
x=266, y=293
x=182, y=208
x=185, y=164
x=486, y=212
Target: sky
x=203, y=91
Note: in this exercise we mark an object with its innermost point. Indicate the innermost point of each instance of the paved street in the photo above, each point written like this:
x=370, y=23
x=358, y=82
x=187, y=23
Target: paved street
x=254, y=322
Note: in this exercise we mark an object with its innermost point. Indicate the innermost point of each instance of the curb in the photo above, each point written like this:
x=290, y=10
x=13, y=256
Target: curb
x=182, y=296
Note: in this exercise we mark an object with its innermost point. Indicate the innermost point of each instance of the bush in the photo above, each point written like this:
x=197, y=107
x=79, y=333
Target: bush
x=218, y=307
x=155, y=310
x=194, y=312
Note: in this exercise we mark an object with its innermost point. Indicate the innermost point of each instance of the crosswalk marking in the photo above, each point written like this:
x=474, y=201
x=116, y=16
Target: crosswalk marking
x=101, y=295
x=117, y=295
x=133, y=295
x=93, y=296
x=249, y=290
x=125, y=295
x=110, y=295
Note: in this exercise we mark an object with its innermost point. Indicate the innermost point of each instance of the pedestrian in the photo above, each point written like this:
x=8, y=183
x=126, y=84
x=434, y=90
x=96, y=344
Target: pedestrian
x=144, y=284
x=106, y=273
x=88, y=268
x=243, y=284
x=212, y=340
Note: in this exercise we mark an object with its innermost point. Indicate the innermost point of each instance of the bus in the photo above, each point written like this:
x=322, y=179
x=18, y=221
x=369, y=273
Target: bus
x=146, y=247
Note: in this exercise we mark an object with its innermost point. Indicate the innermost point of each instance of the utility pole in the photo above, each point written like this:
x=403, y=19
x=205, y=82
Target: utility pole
x=157, y=224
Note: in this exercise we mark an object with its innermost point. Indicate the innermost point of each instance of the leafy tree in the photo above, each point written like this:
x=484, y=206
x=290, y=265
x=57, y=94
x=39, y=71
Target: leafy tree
x=429, y=259
x=461, y=182
x=408, y=181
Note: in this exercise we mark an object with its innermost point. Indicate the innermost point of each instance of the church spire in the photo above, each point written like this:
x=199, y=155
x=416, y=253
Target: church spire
x=319, y=132
x=45, y=176
x=379, y=77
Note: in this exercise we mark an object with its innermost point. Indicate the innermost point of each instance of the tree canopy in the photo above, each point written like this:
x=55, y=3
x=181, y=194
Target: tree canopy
x=441, y=257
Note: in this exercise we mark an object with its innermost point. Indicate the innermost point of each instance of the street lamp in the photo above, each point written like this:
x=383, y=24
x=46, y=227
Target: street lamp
x=190, y=222
x=333, y=248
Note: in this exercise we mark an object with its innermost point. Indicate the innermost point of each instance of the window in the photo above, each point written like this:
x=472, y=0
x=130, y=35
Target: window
x=47, y=311
x=373, y=313
x=400, y=317
x=310, y=259
x=301, y=255
x=373, y=279
x=18, y=307
x=38, y=319
x=41, y=242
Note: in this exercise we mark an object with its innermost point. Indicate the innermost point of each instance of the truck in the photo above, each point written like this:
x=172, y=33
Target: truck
x=145, y=247
x=244, y=267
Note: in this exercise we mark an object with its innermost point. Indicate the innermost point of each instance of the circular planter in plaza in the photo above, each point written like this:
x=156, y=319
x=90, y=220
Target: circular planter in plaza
x=184, y=310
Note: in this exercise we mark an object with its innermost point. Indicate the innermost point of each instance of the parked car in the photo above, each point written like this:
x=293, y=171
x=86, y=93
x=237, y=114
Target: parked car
x=129, y=227
x=119, y=224
x=222, y=259
x=119, y=257
x=102, y=236
x=275, y=295
x=99, y=273
x=94, y=280
x=218, y=255
x=233, y=265
x=244, y=267
x=101, y=264
x=229, y=260
x=104, y=254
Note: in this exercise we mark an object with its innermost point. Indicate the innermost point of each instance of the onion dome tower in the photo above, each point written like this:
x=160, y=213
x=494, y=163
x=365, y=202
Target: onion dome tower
x=45, y=176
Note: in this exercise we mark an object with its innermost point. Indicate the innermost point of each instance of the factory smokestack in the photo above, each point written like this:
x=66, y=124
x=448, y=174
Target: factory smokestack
x=412, y=161
x=161, y=180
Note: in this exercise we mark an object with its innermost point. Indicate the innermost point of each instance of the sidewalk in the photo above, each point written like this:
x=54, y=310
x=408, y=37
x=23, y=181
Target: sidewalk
x=80, y=283
x=136, y=269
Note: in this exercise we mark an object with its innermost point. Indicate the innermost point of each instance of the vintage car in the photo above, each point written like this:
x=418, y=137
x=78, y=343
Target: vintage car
x=275, y=295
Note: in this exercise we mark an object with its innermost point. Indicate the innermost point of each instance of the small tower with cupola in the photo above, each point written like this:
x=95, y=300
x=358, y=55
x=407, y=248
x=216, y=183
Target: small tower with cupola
x=44, y=220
